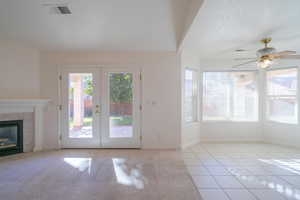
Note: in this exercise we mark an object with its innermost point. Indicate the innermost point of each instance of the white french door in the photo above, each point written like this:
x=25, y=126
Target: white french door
x=121, y=108
x=100, y=107
x=80, y=107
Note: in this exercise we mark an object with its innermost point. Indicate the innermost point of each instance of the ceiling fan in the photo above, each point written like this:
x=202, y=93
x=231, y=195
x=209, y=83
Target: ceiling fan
x=267, y=55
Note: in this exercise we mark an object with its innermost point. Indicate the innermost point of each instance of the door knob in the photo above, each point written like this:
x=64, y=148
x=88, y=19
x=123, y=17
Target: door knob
x=97, y=109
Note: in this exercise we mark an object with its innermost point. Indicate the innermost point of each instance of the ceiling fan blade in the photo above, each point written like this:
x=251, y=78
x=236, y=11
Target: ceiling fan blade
x=244, y=58
x=282, y=53
x=289, y=57
x=286, y=52
x=245, y=63
x=244, y=50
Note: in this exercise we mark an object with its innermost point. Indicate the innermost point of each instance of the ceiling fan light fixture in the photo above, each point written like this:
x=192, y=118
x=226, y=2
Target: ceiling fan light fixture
x=267, y=56
x=265, y=63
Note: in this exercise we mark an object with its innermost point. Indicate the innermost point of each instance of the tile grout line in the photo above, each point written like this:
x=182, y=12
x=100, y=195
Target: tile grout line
x=231, y=175
x=191, y=177
x=248, y=189
x=194, y=153
x=222, y=189
x=220, y=164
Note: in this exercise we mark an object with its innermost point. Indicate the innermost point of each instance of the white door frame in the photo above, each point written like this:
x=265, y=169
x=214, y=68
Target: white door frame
x=100, y=99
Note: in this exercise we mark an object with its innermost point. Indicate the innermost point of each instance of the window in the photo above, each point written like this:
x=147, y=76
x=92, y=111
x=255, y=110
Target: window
x=282, y=95
x=230, y=96
x=191, y=95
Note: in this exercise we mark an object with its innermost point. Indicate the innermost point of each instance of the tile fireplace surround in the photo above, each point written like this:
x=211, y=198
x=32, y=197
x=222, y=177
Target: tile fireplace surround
x=31, y=112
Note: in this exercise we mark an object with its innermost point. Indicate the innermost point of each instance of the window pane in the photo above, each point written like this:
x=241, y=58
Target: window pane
x=230, y=96
x=191, y=96
x=282, y=82
x=283, y=109
x=245, y=99
x=80, y=105
x=120, y=109
x=216, y=91
x=282, y=95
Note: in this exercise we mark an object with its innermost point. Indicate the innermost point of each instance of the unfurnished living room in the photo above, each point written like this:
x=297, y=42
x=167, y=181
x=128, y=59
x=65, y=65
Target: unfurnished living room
x=149, y=100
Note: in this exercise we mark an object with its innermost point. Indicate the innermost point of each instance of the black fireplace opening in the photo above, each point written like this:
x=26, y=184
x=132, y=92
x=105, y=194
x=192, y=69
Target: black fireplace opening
x=11, y=137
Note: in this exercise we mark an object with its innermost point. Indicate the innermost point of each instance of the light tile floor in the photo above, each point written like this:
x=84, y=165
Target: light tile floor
x=244, y=171
x=205, y=171
x=96, y=175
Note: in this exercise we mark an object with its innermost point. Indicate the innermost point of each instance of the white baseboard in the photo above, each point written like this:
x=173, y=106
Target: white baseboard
x=284, y=144
x=206, y=140
x=190, y=143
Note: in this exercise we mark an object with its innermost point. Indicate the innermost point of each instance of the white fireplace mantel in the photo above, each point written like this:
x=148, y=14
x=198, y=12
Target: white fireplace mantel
x=35, y=106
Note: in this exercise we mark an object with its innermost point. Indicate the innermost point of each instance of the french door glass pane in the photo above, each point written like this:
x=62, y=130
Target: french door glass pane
x=120, y=108
x=80, y=105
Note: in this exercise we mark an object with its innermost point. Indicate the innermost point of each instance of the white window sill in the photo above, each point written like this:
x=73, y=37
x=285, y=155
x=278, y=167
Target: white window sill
x=228, y=121
x=281, y=122
x=192, y=122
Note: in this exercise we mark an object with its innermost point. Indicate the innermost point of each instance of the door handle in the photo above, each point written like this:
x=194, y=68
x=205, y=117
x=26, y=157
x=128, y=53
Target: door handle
x=97, y=109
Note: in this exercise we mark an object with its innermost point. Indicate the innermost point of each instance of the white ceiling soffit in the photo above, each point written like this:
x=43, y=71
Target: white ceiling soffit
x=108, y=25
x=190, y=16
x=222, y=26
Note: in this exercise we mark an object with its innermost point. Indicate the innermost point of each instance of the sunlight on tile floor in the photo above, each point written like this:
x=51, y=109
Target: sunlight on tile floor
x=96, y=175
x=244, y=171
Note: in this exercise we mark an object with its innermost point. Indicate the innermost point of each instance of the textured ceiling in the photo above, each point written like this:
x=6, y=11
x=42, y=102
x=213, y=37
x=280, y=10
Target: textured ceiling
x=222, y=26
x=110, y=25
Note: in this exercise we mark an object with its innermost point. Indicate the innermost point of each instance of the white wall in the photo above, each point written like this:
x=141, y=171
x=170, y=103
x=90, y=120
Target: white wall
x=231, y=132
x=191, y=13
x=19, y=71
x=160, y=88
x=190, y=131
x=163, y=124
x=281, y=133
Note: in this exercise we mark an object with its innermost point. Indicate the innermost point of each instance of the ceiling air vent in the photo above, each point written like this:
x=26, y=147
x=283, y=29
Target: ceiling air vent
x=64, y=10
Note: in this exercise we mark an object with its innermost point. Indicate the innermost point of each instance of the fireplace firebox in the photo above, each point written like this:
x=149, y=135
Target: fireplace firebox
x=11, y=137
